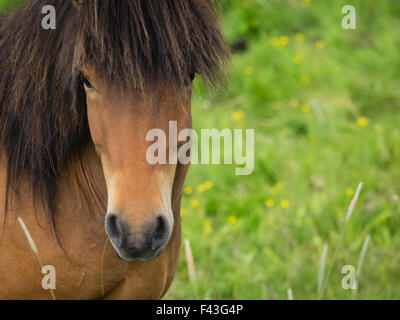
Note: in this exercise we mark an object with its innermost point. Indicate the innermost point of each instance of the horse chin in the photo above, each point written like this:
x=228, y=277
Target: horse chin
x=123, y=255
x=126, y=258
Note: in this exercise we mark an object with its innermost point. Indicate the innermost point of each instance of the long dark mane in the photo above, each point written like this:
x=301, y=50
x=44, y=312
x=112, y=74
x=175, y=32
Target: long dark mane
x=43, y=121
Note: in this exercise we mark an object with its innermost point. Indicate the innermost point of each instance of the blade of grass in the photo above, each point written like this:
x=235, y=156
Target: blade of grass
x=362, y=256
x=322, y=267
x=290, y=294
x=348, y=216
x=361, y=262
x=34, y=249
x=191, y=266
x=102, y=267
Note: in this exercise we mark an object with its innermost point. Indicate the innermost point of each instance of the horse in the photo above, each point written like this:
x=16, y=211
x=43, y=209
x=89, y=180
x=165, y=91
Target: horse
x=75, y=105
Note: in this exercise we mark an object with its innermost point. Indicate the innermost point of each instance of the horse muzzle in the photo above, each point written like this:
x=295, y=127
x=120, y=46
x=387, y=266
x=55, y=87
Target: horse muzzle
x=138, y=244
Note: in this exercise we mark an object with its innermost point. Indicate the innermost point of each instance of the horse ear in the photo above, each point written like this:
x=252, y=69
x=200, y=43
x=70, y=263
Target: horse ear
x=78, y=3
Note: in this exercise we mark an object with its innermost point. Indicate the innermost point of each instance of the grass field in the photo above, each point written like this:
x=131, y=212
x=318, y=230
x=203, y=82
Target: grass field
x=324, y=104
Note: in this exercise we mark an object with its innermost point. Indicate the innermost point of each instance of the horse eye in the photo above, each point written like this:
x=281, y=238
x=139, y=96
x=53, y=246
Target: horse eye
x=192, y=76
x=86, y=81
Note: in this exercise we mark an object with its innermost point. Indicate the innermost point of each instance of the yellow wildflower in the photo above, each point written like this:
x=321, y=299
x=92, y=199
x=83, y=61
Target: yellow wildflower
x=188, y=190
x=208, y=229
x=269, y=203
x=362, y=122
x=285, y=204
x=304, y=79
x=298, y=58
x=305, y=108
x=208, y=185
x=248, y=70
x=349, y=192
x=280, y=42
x=195, y=203
x=183, y=211
x=238, y=115
x=232, y=220
x=283, y=41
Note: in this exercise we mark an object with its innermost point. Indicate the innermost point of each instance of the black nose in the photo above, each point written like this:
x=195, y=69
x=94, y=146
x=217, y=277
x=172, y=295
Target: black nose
x=144, y=244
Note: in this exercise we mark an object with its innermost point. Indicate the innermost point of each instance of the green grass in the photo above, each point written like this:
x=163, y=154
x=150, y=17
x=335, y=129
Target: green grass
x=10, y=4
x=315, y=140
x=317, y=156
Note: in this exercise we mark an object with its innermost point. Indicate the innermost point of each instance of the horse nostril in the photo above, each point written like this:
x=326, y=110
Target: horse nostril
x=113, y=230
x=160, y=233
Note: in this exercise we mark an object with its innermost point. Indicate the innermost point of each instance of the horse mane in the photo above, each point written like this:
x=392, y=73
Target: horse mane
x=43, y=120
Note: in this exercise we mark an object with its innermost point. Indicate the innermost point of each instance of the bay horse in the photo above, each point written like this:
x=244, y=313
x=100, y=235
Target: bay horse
x=75, y=106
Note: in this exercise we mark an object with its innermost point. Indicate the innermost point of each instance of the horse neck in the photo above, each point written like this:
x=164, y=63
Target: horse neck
x=83, y=181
